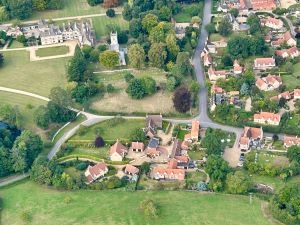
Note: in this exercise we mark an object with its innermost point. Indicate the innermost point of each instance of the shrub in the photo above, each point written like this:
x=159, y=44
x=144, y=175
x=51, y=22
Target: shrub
x=82, y=130
x=110, y=13
x=81, y=166
x=149, y=208
x=99, y=142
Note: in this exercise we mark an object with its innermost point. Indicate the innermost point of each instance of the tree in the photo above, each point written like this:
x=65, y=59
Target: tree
x=109, y=58
x=60, y=97
x=225, y=27
x=254, y=23
x=94, y=2
x=10, y=114
x=20, y=9
x=289, y=68
x=41, y=117
x=77, y=66
x=171, y=83
x=212, y=142
x=99, y=142
x=127, y=12
x=149, y=21
x=164, y=13
x=110, y=3
x=136, y=89
x=183, y=65
x=282, y=101
x=182, y=99
x=39, y=5
x=149, y=208
x=110, y=13
x=3, y=14
x=293, y=153
x=237, y=183
x=234, y=12
x=110, y=88
x=1, y=59
x=196, y=20
x=21, y=39
x=157, y=55
x=138, y=135
x=136, y=55
x=227, y=60
x=210, y=28
x=128, y=77
x=135, y=27
x=40, y=171
x=172, y=46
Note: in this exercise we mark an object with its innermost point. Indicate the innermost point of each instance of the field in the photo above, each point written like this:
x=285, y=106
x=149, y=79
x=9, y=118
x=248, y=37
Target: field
x=47, y=206
x=36, y=77
x=111, y=130
x=119, y=101
x=71, y=8
x=26, y=106
x=59, y=50
x=101, y=24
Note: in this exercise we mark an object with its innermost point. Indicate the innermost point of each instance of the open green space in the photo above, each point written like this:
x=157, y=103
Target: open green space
x=37, y=77
x=51, y=51
x=26, y=106
x=71, y=8
x=185, y=16
x=215, y=37
x=103, y=25
x=274, y=182
x=101, y=153
x=48, y=206
x=15, y=44
x=111, y=130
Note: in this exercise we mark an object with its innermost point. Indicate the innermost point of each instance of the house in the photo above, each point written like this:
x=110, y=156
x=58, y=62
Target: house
x=217, y=90
x=152, y=151
x=185, y=146
x=176, y=148
x=286, y=95
x=264, y=63
x=267, y=118
x=272, y=23
x=251, y=137
x=268, y=83
x=289, y=141
x=237, y=68
x=296, y=94
x=194, y=134
x=220, y=44
x=131, y=170
x=215, y=75
x=169, y=173
x=114, y=46
x=206, y=58
x=93, y=173
x=153, y=122
x=262, y=4
x=180, y=29
x=285, y=38
x=291, y=52
x=137, y=146
x=211, y=47
x=117, y=152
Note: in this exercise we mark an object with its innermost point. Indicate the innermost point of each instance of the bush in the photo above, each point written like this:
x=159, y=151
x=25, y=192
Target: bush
x=99, y=142
x=81, y=166
x=149, y=208
x=82, y=130
x=110, y=13
x=128, y=77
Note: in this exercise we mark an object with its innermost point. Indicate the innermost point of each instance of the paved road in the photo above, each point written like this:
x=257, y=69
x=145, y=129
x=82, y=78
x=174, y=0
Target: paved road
x=13, y=179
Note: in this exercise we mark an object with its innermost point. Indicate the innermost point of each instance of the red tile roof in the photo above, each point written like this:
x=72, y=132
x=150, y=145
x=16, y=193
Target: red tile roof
x=118, y=148
x=263, y=4
x=95, y=171
x=137, y=145
x=131, y=169
x=173, y=174
x=182, y=158
x=267, y=116
x=296, y=92
x=285, y=95
x=264, y=61
x=185, y=145
x=195, y=128
x=290, y=141
x=172, y=164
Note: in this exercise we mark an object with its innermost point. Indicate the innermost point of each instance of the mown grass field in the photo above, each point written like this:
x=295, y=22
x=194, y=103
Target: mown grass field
x=51, y=207
x=26, y=106
x=51, y=51
x=102, y=25
x=110, y=130
x=71, y=8
x=37, y=77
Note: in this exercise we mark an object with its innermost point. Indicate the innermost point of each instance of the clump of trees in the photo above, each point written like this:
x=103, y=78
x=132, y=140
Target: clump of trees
x=139, y=88
x=182, y=99
x=149, y=208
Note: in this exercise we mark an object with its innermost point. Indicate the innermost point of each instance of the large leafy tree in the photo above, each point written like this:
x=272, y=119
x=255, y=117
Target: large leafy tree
x=109, y=58
x=136, y=55
x=157, y=55
x=182, y=99
x=149, y=21
x=254, y=23
x=293, y=153
x=183, y=65
x=77, y=66
x=20, y=9
x=225, y=27
x=11, y=115
x=172, y=46
x=238, y=182
x=212, y=142
x=26, y=148
x=42, y=117
x=136, y=89
x=135, y=27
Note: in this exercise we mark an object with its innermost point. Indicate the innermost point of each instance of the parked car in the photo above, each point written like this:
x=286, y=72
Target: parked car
x=242, y=157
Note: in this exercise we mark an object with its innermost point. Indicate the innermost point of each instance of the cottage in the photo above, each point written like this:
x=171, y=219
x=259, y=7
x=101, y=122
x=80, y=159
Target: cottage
x=296, y=93
x=291, y=52
x=207, y=60
x=131, y=170
x=267, y=118
x=152, y=151
x=215, y=75
x=237, y=68
x=268, y=83
x=170, y=173
x=264, y=63
x=286, y=95
x=285, y=38
x=289, y=141
x=137, y=146
x=93, y=173
x=262, y=4
x=194, y=134
x=153, y=122
x=272, y=23
x=117, y=152
x=251, y=137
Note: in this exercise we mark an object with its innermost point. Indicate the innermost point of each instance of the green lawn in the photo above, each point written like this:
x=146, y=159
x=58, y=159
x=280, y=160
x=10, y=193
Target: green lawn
x=15, y=44
x=196, y=155
x=26, y=106
x=95, y=152
x=215, y=37
x=48, y=206
x=111, y=130
x=101, y=24
x=71, y=8
x=36, y=77
x=184, y=16
x=51, y=51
